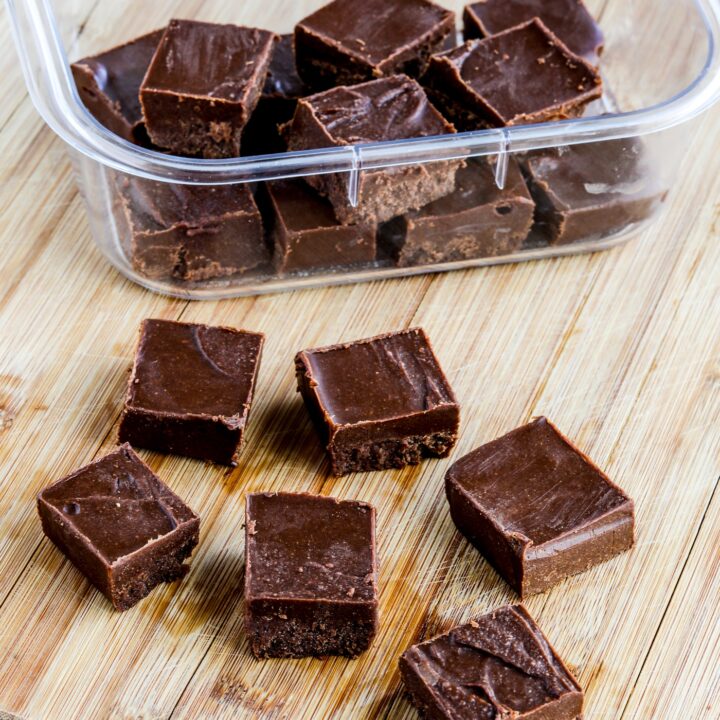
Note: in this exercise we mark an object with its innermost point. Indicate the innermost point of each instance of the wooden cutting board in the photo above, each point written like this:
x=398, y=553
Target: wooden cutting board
x=620, y=349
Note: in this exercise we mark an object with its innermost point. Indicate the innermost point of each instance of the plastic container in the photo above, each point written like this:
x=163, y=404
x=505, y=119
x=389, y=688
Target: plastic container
x=660, y=70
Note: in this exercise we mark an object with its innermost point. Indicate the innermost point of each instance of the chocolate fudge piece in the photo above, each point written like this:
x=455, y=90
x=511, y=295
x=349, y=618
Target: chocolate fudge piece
x=189, y=233
x=589, y=191
x=477, y=220
x=379, y=403
x=305, y=234
x=348, y=42
x=109, y=84
x=277, y=103
x=120, y=525
x=537, y=508
x=523, y=75
x=310, y=575
x=387, y=109
x=570, y=20
x=191, y=389
x=202, y=86
x=498, y=666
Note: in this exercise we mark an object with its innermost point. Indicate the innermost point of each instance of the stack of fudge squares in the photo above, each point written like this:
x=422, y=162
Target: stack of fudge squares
x=355, y=73
x=533, y=504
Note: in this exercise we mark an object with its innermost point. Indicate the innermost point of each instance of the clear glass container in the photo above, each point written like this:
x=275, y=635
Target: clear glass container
x=520, y=193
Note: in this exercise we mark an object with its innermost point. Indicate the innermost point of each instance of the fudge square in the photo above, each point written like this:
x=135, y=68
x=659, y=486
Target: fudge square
x=109, y=84
x=477, y=220
x=191, y=389
x=202, y=86
x=589, y=191
x=189, y=233
x=537, y=508
x=498, y=666
x=523, y=75
x=379, y=403
x=393, y=108
x=305, y=234
x=310, y=575
x=120, y=525
x=570, y=20
x=348, y=42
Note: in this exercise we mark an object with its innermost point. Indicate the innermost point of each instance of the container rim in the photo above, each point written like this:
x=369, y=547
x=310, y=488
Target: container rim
x=49, y=81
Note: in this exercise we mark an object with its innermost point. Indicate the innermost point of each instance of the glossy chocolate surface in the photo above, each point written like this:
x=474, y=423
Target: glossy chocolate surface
x=523, y=75
x=543, y=498
x=379, y=403
x=570, y=20
x=477, y=220
x=200, y=59
x=116, y=511
x=203, y=85
x=392, y=108
x=346, y=42
x=307, y=236
x=312, y=547
x=587, y=191
x=310, y=575
x=500, y=665
x=191, y=389
x=385, y=377
x=109, y=83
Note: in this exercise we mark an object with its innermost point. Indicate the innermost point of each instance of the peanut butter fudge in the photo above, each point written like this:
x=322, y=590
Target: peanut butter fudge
x=189, y=233
x=191, y=390
x=120, y=525
x=570, y=20
x=523, y=75
x=537, y=508
x=109, y=85
x=310, y=575
x=348, y=42
x=593, y=190
x=305, y=234
x=477, y=220
x=391, y=108
x=498, y=666
x=379, y=403
x=202, y=86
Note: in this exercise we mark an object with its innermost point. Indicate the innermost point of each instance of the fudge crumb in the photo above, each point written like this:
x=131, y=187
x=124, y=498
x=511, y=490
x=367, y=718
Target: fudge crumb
x=351, y=592
x=251, y=527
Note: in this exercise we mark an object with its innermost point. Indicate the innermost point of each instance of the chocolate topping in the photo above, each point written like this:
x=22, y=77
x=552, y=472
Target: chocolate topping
x=522, y=75
x=396, y=375
x=109, y=83
x=208, y=60
x=570, y=20
x=118, y=504
x=305, y=546
x=388, y=109
x=194, y=369
x=497, y=666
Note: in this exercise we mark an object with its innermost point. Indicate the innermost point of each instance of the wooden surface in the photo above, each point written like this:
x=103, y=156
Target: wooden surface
x=621, y=350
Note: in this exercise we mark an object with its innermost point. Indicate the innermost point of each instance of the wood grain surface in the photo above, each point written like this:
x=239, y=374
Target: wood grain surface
x=620, y=349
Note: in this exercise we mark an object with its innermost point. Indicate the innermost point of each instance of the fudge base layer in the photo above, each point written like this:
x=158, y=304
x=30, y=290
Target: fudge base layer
x=203, y=438
x=537, y=569
x=384, y=194
x=296, y=629
x=132, y=579
x=389, y=454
